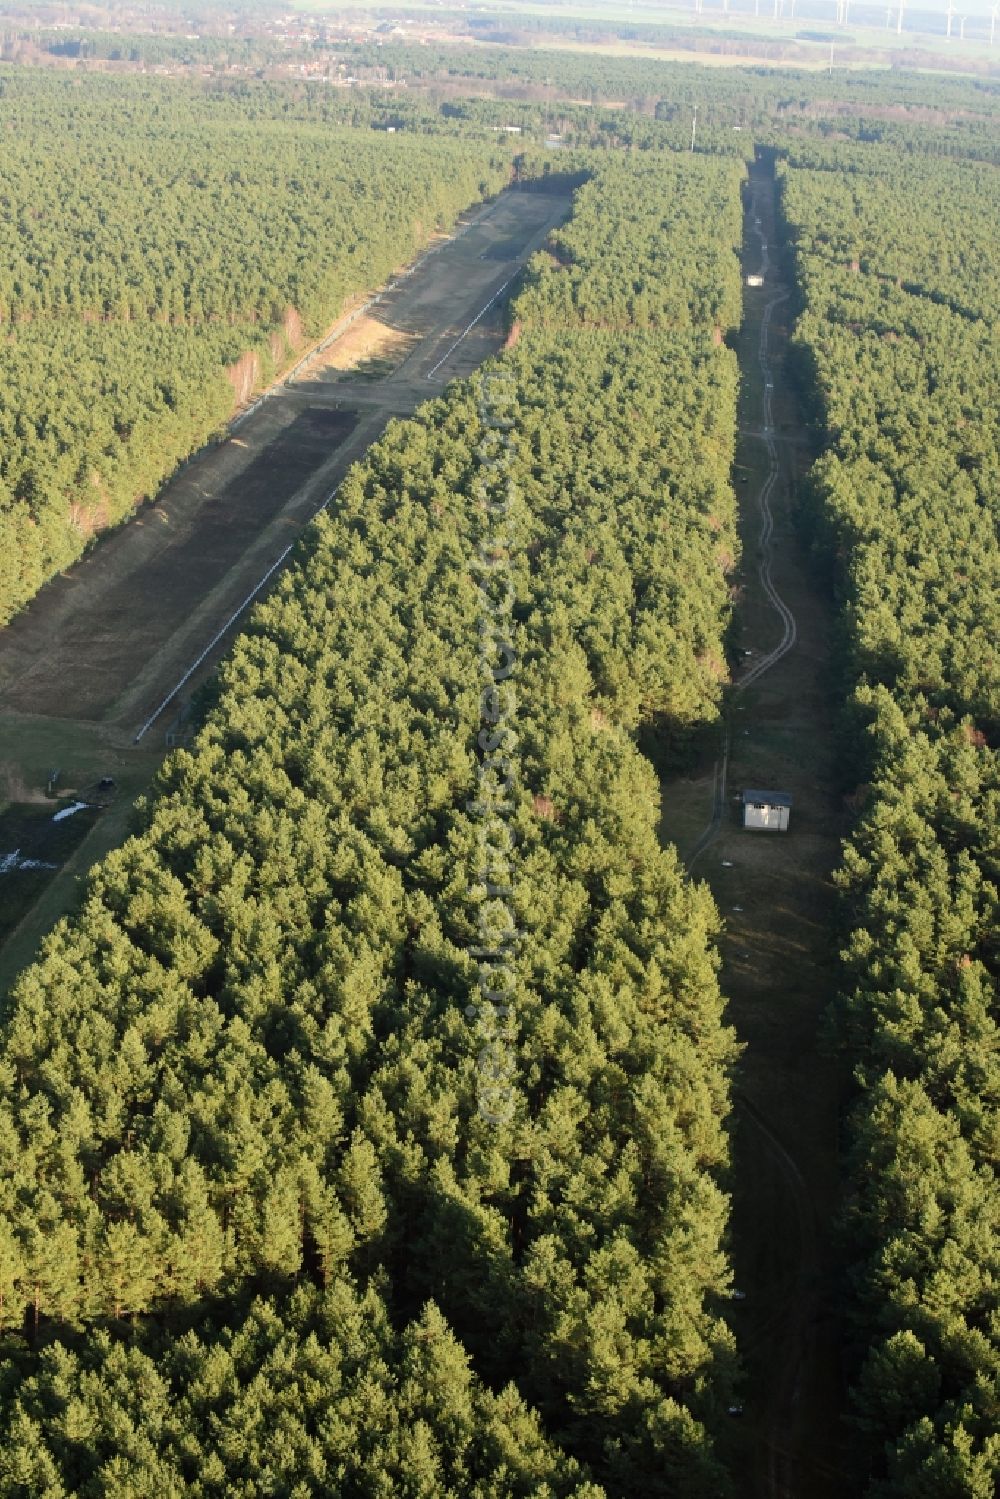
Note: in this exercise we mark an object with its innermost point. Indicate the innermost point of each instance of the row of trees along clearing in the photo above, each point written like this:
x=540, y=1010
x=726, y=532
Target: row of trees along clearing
x=182, y=251
x=239, y=1087
x=900, y=279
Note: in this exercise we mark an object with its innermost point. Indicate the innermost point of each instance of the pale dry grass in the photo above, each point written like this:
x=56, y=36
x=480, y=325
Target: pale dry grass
x=367, y=341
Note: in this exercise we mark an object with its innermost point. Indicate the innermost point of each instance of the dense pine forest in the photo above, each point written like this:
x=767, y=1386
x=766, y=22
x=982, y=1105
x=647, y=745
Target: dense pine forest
x=898, y=272
x=365, y=1128
x=259, y=1233
x=184, y=250
x=197, y=233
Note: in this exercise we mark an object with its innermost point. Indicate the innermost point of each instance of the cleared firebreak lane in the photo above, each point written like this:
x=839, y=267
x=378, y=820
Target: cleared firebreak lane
x=764, y=539
x=779, y=1470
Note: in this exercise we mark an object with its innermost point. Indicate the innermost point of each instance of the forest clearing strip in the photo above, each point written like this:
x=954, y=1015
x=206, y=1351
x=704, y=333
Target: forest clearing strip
x=348, y=319
x=275, y=566
x=780, y=1463
x=334, y=333
x=221, y=633
x=245, y=603
x=478, y=317
x=779, y=1471
x=73, y=636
